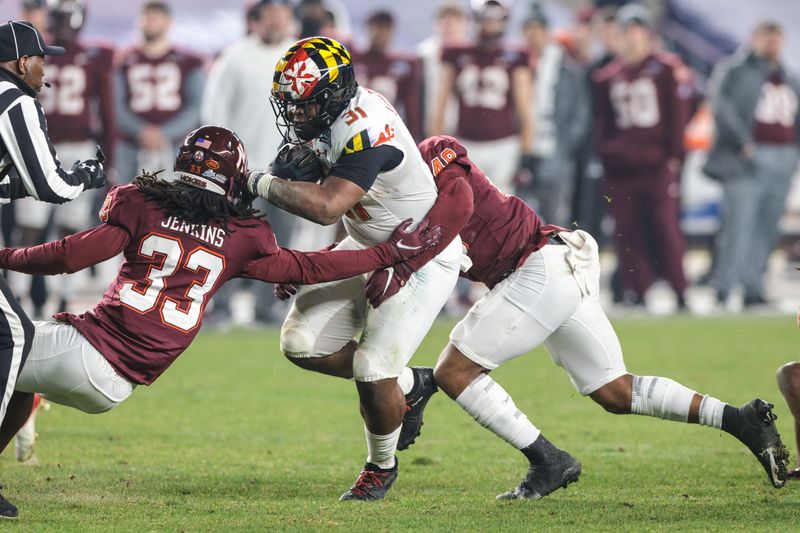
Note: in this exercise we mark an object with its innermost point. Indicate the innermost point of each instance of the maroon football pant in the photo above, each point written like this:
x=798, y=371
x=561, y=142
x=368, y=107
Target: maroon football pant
x=647, y=235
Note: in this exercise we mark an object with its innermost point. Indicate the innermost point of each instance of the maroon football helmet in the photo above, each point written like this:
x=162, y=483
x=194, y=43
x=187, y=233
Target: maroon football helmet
x=66, y=19
x=213, y=158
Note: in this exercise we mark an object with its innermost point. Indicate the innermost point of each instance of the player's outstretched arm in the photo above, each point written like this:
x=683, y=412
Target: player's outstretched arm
x=324, y=203
x=70, y=254
x=306, y=268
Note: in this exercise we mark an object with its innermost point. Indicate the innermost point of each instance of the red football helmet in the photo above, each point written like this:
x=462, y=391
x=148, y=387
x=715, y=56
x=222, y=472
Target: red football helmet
x=213, y=158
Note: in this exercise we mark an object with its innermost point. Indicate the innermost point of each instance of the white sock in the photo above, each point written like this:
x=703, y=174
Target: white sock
x=406, y=380
x=382, y=447
x=661, y=398
x=711, y=411
x=491, y=406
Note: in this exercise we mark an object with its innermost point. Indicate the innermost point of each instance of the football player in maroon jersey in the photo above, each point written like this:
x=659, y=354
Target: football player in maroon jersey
x=492, y=83
x=395, y=75
x=79, y=110
x=158, y=90
x=181, y=240
x=544, y=288
x=640, y=115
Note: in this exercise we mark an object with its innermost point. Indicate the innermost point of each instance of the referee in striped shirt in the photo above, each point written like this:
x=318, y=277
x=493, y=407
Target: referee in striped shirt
x=28, y=167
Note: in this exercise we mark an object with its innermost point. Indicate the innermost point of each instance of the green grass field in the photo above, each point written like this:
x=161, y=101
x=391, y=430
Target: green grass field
x=234, y=437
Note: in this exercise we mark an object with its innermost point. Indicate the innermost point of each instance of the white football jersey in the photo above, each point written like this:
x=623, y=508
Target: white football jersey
x=406, y=191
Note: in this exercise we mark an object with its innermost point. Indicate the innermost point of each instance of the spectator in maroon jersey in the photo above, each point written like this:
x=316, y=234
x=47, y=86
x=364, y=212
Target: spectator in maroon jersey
x=639, y=121
x=80, y=115
x=755, y=154
x=492, y=83
x=395, y=75
x=158, y=91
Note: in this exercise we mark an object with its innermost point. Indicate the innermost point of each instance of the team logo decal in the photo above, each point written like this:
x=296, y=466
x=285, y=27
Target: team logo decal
x=105, y=209
x=213, y=165
x=301, y=76
x=198, y=156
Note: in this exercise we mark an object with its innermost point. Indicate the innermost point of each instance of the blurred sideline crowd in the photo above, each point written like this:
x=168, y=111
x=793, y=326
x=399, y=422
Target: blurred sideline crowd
x=590, y=125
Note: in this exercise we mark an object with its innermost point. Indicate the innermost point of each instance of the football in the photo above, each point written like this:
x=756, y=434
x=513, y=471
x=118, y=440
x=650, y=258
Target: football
x=298, y=162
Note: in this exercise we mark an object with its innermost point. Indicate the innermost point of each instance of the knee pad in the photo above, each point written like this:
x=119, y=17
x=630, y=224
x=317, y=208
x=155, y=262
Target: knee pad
x=296, y=341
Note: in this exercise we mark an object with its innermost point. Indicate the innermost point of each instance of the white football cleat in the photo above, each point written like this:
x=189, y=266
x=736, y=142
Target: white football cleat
x=26, y=436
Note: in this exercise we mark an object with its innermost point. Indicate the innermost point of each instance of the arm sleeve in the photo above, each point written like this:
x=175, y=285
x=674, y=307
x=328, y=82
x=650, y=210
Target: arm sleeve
x=307, y=268
x=452, y=210
x=127, y=122
x=68, y=255
x=176, y=128
x=362, y=166
x=24, y=134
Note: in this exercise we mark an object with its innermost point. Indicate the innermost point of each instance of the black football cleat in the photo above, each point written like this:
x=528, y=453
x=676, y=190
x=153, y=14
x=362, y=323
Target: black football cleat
x=7, y=509
x=754, y=425
x=372, y=484
x=416, y=400
x=550, y=470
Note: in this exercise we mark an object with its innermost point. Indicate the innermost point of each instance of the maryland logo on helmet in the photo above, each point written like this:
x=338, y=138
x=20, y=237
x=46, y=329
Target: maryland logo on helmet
x=308, y=67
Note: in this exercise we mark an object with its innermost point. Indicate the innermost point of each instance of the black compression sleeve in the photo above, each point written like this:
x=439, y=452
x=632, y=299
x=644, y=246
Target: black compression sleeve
x=362, y=167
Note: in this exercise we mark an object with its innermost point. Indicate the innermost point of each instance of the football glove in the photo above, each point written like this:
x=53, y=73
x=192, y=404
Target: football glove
x=526, y=172
x=383, y=284
x=405, y=244
x=92, y=172
x=284, y=291
x=298, y=162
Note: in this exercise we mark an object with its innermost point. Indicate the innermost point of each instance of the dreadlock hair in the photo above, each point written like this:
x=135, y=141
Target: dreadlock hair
x=191, y=204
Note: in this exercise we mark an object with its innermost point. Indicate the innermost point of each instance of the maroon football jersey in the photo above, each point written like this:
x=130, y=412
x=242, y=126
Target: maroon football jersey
x=483, y=84
x=398, y=78
x=776, y=112
x=79, y=104
x=640, y=114
x=153, y=310
x=503, y=231
x=155, y=88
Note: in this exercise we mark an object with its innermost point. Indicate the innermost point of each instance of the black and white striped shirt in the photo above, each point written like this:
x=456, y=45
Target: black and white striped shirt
x=28, y=162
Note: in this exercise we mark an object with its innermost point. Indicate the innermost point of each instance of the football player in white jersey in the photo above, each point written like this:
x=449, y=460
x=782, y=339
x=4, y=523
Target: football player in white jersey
x=376, y=179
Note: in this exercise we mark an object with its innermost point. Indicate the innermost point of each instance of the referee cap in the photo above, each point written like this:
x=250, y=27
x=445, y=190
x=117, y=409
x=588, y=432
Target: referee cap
x=19, y=38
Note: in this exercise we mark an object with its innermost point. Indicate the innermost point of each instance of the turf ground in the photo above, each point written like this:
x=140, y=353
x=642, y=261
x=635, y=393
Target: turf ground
x=233, y=437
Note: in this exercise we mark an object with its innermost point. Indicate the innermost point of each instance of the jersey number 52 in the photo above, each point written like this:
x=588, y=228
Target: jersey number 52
x=145, y=296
